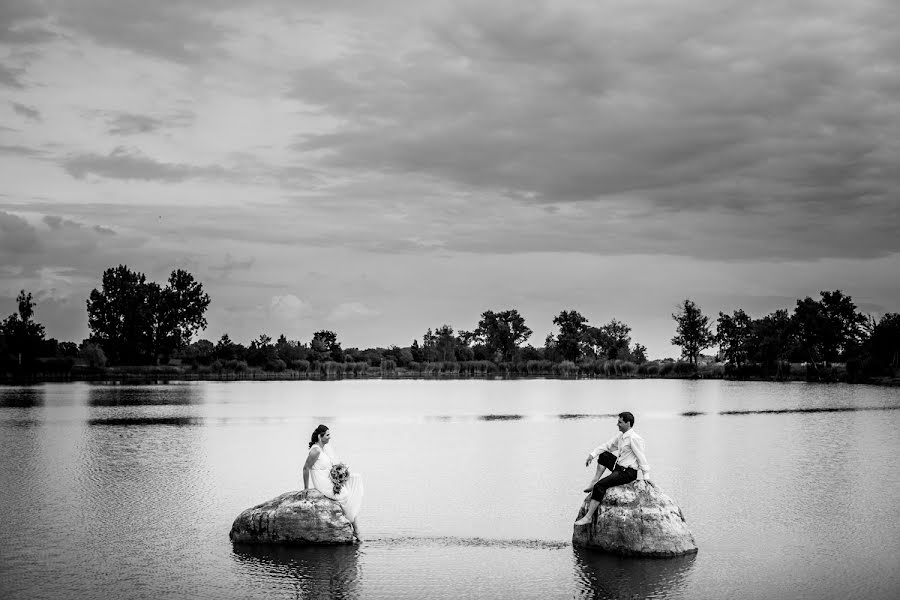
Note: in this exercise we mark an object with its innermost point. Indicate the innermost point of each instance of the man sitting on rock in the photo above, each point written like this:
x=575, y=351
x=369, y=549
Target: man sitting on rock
x=628, y=447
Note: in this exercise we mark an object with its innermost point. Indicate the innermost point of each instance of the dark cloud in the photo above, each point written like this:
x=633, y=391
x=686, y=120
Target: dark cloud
x=17, y=236
x=61, y=224
x=15, y=12
x=126, y=164
x=128, y=124
x=124, y=123
x=178, y=32
x=746, y=109
x=232, y=265
x=11, y=77
x=26, y=111
x=19, y=151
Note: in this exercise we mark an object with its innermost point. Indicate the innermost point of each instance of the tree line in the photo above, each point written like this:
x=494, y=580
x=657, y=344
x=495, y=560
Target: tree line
x=817, y=333
x=133, y=321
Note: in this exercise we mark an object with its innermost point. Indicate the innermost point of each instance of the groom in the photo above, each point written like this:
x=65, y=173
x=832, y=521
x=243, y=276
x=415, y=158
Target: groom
x=623, y=465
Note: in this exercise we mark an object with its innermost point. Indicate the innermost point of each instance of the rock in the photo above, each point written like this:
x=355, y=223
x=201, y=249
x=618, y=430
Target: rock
x=636, y=519
x=300, y=517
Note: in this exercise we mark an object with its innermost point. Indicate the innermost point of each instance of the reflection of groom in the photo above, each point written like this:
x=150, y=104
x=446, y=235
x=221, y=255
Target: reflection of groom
x=623, y=465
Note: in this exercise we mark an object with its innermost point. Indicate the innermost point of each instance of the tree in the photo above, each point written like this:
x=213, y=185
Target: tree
x=639, y=353
x=179, y=312
x=445, y=343
x=734, y=334
x=828, y=329
x=324, y=346
x=616, y=336
x=23, y=336
x=772, y=341
x=92, y=354
x=693, y=333
x=225, y=348
x=845, y=332
x=136, y=321
x=502, y=332
x=884, y=344
x=569, y=340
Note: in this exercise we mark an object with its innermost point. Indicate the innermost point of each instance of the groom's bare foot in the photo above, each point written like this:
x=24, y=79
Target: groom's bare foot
x=583, y=521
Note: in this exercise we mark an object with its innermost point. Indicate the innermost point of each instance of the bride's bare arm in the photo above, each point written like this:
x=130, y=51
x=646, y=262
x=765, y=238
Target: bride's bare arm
x=310, y=461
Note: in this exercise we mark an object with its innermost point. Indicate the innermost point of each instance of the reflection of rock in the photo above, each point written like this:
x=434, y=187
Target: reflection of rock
x=302, y=517
x=604, y=575
x=636, y=519
x=314, y=572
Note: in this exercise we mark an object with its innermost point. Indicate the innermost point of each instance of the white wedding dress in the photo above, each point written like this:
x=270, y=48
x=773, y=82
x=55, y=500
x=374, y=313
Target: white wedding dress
x=351, y=495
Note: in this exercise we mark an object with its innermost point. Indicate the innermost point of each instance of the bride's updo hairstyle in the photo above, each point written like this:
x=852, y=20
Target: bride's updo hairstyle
x=320, y=430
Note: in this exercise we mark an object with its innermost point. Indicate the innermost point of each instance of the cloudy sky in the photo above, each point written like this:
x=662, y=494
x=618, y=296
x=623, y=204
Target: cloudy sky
x=379, y=168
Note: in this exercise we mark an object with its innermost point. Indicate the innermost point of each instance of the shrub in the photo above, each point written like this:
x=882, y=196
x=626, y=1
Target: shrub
x=683, y=367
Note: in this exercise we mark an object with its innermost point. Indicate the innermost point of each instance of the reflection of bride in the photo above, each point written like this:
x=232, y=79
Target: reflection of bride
x=317, y=471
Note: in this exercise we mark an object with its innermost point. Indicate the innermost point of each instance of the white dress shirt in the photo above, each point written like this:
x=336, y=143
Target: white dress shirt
x=629, y=447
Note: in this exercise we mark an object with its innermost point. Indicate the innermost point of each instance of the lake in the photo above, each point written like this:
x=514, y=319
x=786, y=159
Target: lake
x=791, y=489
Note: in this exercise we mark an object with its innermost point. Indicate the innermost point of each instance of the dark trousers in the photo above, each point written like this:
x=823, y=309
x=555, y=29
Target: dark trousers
x=620, y=476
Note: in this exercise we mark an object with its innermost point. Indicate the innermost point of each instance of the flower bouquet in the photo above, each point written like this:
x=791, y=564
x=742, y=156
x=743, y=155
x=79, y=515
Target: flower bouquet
x=339, y=475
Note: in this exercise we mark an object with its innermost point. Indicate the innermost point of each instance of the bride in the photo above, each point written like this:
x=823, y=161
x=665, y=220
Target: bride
x=318, y=469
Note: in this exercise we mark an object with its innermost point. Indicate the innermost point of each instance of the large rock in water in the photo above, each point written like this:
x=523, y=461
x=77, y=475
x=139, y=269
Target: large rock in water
x=301, y=517
x=636, y=519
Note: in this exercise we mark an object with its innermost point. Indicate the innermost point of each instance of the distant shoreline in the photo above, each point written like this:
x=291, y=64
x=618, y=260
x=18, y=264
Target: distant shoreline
x=168, y=373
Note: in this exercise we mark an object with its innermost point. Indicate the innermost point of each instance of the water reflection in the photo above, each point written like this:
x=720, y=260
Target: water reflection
x=21, y=397
x=166, y=395
x=782, y=411
x=602, y=575
x=138, y=421
x=500, y=417
x=315, y=572
x=584, y=416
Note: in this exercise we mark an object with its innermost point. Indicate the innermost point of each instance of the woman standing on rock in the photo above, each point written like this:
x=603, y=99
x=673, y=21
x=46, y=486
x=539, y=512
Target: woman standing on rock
x=317, y=470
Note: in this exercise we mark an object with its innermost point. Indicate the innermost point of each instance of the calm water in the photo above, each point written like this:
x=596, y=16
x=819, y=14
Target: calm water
x=791, y=490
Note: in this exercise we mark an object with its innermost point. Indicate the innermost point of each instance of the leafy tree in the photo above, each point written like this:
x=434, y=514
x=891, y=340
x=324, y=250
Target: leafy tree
x=639, y=353
x=415, y=351
x=23, y=336
x=290, y=351
x=616, y=337
x=136, y=321
x=502, y=332
x=92, y=354
x=324, y=346
x=179, y=312
x=569, y=340
x=846, y=326
x=734, y=335
x=884, y=343
x=828, y=329
x=444, y=343
x=225, y=348
x=772, y=341
x=693, y=333
x=67, y=349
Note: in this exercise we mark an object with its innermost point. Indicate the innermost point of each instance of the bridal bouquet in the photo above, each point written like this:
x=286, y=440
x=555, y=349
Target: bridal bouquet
x=339, y=475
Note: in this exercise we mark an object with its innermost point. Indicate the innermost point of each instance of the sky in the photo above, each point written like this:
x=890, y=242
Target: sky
x=381, y=168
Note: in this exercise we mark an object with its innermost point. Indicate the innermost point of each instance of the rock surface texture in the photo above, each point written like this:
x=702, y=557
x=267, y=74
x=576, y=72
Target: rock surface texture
x=299, y=517
x=636, y=519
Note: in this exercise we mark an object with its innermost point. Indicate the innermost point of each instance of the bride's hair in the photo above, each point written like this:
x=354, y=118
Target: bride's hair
x=315, y=435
